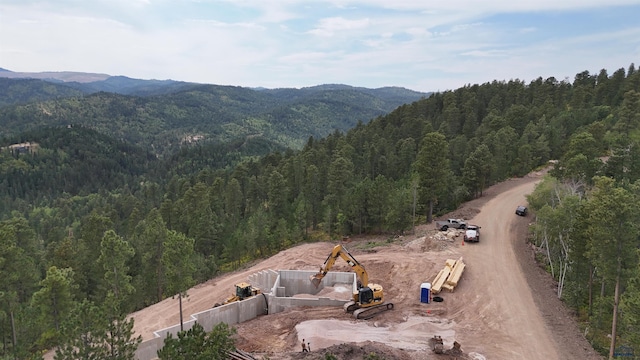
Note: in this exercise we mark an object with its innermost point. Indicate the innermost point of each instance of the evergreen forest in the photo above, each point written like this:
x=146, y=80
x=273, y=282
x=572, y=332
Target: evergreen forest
x=160, y=118
x=101, y=215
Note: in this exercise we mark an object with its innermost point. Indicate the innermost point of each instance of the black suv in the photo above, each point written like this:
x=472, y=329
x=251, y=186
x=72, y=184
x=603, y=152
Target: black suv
x=521, y=210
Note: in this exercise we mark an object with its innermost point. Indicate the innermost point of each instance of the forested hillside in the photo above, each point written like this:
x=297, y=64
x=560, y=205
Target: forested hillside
x=30, y=90
x=79, y=260
x=127, y=86
x=189, y=113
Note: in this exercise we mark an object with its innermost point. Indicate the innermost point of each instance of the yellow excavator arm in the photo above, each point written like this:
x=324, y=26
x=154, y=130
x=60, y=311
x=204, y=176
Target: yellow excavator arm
x=340, y=251
x=368, y=299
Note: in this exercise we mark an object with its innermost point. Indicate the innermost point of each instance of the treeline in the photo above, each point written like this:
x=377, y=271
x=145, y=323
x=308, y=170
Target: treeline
x=587, y=229
x=123, y=248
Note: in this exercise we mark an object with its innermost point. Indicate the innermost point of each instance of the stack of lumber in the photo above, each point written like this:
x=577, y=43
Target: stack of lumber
x=449, y=276
x=240, y=355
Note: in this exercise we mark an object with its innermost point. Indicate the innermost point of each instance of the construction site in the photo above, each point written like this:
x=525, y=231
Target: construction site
x=486, y=306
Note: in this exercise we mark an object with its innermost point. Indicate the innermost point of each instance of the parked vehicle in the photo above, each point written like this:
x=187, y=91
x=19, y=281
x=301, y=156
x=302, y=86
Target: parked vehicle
x=472, y=234
x=521, y=210
x=451, y=223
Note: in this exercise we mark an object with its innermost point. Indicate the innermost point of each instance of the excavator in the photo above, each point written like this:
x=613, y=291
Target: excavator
x=368, y=299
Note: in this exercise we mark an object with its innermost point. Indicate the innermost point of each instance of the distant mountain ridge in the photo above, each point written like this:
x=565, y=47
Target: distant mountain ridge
x=22, y=91
x=128, y=86
x=160, y=114
x=96, y=82
x=65, y=76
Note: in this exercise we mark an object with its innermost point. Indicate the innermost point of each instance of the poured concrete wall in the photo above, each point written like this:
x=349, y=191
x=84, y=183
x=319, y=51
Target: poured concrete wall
x=148, y=350
x=295, y=282
x=233, y=313
x=264, y=279
x=278, y=289
x=283, y=304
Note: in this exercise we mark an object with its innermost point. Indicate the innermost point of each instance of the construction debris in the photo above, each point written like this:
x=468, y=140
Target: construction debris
x=240, y=355
x=437, y=346
x=449, y=235
x=449, y=276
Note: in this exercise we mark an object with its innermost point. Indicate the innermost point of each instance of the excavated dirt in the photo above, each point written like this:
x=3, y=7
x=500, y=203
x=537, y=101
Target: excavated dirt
x=504, y=306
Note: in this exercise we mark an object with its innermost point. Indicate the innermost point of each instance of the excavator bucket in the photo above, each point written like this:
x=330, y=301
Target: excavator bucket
x=315, y=280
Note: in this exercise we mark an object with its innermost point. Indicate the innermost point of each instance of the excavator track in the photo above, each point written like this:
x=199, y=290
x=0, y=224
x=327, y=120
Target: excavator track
x=371, y=311
x=350, y=307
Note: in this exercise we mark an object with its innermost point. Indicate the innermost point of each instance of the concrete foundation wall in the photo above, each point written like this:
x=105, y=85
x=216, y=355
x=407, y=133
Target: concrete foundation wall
x=149, y=349
x=173, y=330
x=277, y=287
x=264, y=279
x=299, y=282
x=282, y=304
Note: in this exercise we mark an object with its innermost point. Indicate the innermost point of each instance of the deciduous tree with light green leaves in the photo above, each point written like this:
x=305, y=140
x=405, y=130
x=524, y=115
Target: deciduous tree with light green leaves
x=630, y=310
x=554, y=232
x=614, y=217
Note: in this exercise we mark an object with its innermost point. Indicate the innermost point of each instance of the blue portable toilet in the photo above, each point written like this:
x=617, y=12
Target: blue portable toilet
x=425, y=293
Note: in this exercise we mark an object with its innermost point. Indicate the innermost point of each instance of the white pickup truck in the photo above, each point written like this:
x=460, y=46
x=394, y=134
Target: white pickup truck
x=472, y=233
x=451, y=223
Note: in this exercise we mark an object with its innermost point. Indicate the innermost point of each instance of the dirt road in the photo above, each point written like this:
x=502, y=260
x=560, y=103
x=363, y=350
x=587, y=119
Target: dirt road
x=498, y=301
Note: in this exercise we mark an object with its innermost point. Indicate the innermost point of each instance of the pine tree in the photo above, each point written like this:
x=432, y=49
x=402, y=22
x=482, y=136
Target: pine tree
x=115, y=253
x=83, y=334
x=55, y=298
x=432, y=165
x=196, y=344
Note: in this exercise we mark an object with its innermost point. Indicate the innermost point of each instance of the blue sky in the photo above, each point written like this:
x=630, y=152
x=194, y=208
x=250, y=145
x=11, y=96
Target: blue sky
x=422, y=45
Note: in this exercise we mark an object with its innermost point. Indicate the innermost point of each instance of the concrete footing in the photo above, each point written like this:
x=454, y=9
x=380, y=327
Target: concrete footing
x=278, y=289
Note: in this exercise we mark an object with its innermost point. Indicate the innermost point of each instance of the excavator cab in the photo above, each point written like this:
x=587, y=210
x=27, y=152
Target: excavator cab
x=365, y=295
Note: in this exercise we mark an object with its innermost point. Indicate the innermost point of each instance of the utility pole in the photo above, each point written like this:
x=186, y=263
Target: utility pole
x=15, y=339
x=180, y=301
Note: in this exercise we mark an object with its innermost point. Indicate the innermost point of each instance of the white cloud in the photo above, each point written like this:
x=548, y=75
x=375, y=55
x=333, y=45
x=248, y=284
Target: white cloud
x=483, y=6
x=485, y=53
x=331, y=26
x=279, y=43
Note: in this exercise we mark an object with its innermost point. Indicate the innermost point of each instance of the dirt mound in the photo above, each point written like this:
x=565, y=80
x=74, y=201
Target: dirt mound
x=371, y=350
x=354, y=351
